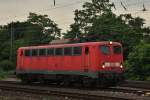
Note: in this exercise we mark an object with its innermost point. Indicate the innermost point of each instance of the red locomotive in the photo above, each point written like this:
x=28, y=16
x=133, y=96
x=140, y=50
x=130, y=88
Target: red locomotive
x=90, y=62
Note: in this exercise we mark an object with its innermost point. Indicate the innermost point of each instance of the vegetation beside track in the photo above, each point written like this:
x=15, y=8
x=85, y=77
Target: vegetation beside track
x=5, y=74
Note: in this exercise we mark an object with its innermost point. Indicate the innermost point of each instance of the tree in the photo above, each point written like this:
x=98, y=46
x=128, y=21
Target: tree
x=84, y=18
x=49, y=28
x=137, y=65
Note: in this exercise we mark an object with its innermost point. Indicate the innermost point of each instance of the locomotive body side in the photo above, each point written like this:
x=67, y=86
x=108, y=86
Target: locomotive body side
x=77, y=61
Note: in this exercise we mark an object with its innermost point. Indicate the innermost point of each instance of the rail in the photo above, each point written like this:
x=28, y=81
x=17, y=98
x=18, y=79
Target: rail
x=85, y=94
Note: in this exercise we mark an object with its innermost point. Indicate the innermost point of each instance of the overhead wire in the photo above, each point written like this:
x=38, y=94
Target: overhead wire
x=67, y=5
x=50, y=9
x=127, y=5
x=140, y=11
x=74, y=3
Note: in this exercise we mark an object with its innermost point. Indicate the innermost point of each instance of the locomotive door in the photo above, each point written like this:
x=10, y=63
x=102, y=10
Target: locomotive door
x=86, y=59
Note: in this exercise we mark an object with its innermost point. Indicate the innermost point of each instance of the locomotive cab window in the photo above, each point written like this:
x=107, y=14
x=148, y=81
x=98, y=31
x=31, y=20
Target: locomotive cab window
x=105, y=49
x=77, y=50
x=117, y=50
x=58, y=51
x=68, y=51
x=42, y=52
x=50, y=51
x=27, y=52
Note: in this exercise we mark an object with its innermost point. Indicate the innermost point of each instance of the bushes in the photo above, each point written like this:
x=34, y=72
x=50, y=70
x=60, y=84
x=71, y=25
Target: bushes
x=138, y=62
x=6, y=65
x=3, y=74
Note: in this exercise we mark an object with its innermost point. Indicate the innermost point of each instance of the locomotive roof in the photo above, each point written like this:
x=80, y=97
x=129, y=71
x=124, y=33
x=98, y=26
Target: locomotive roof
x=74, y=44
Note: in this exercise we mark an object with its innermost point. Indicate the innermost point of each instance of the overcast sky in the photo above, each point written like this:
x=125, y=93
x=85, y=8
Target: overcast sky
x=62, y=13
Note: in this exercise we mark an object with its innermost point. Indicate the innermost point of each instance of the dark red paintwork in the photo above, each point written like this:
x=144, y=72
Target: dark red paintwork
x=92, y=62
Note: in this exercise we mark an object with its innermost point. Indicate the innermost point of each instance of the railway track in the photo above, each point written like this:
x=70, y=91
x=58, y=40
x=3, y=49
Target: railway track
x=84, y=94
x=136, y=84
x=140, y=92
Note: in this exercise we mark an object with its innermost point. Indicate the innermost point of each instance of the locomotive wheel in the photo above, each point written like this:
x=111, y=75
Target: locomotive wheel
x=63, y=81
x=41, y=80
x=87, y=82
x=66, y=82
x=101, y=83
x=26, y=81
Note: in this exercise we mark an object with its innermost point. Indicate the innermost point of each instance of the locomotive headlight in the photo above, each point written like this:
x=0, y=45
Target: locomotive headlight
x=103, y=66
x=121, y=66
x=110, y=42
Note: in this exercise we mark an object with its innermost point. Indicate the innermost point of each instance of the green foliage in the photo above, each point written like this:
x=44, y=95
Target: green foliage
x=6, y=65
x=49, y=28
x=137, y=65
x=84, y=18
x=3, y=74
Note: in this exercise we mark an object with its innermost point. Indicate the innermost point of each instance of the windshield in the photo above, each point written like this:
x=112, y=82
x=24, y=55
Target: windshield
x=105, y=49
x=117, y=50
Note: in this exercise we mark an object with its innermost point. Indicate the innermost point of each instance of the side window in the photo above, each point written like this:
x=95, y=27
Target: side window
x=105, y=49
x=77, y=50
x=42, y=52
x=68, y=51
x=117, y=50
x=34, y=52
x=86, y=50
x=50, y=51
x=27, y=52
x=58, y=51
